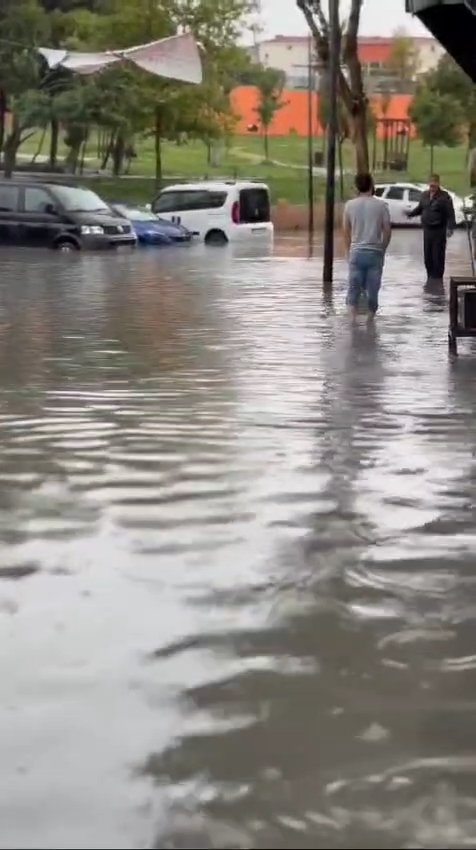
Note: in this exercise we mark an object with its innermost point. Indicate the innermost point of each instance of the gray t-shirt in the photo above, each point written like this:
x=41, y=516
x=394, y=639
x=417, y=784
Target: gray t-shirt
x=367, y=216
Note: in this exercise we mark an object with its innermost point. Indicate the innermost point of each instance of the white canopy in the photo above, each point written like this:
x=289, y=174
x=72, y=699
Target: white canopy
x=176, y=58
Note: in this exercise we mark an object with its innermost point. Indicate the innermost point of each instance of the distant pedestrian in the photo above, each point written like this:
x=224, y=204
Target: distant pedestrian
x=367, y=234
x=438, y=221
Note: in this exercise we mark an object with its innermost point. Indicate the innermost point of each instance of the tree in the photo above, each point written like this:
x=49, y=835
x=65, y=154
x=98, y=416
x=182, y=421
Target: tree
x=404, y=59
x=270, y=84
x=173, y=109
x=437, y=118
x=22, y=81
x=351, y=87
x=448, y=78
x=121, y=102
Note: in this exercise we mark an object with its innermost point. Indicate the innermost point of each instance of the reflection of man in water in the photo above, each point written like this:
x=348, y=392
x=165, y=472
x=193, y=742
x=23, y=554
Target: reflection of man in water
x=367, y=233
x=438, y=221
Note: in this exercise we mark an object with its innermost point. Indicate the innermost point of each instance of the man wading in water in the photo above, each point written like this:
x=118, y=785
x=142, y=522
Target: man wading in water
x=367, y=233
x=438, y=222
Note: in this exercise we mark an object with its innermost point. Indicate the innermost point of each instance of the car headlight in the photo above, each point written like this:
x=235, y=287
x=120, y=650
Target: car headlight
x=92, y=230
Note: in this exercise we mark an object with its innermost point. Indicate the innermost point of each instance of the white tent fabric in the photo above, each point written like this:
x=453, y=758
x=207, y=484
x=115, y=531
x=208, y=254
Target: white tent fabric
x=176, y=58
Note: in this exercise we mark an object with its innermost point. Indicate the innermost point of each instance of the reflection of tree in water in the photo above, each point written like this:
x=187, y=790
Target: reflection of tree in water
x=279, y=726
x=300, y=735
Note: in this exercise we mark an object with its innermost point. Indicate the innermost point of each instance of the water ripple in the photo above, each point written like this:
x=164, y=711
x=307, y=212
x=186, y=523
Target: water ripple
x=237, y=592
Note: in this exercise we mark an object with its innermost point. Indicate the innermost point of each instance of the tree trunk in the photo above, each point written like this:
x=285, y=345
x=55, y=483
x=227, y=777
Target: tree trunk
x=353, y=94
x=351, y=90
x=107, y=152
x=83, y=154
x=3, y=114
x=472, y=168
x=10, y=148
x=361, y=143
x=266, y=144
x=471, y=137
x=71, y=161
x=54, y=140
x=118, y=154
x=40, y=146
x=158, y=148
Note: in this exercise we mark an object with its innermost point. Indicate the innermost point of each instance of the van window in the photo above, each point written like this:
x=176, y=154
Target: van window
x=75, y=199
x=37, y=200
x=8, y=198
x=395, y=193
x=254, y=206
x=194, y=199
x=379, y=190
x=414, y=196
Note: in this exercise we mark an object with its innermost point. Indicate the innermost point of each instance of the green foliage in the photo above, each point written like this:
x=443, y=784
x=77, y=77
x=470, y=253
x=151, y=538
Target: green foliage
x=270, y=83
x=438, y=119
x=121, y=102
x=449, y=79
x=404, y=58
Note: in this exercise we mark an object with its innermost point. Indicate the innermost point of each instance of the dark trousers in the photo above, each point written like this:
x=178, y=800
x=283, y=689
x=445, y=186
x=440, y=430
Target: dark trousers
x=434, y=246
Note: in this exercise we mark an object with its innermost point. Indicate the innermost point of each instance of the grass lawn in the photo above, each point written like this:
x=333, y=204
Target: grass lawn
x=244, y=158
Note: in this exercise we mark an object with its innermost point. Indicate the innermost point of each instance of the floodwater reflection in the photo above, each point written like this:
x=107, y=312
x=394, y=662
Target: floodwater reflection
x=236, y=555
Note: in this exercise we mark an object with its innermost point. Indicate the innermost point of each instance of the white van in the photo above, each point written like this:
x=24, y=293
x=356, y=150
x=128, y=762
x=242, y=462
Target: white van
x=218, y=212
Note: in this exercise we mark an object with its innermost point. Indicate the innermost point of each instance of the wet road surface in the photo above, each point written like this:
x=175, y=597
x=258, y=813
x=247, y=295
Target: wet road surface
x=237, y=556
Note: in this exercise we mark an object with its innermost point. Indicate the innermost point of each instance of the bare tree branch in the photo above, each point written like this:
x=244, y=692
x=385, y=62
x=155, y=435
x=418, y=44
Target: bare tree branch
x=351, y=55
x=320, y=36
x=316, y=7
x=353, y=23
x=351, y=88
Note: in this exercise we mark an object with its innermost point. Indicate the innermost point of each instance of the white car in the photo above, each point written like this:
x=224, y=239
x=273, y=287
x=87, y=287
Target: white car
x=468, y=204
x=218, y=212
x=403, y=197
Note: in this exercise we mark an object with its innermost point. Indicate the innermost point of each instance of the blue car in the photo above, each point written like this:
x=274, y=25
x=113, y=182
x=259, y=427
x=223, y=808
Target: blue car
x=152, y=230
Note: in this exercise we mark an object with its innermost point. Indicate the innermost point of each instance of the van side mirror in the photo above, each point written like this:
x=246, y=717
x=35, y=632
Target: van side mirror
x=50, y=209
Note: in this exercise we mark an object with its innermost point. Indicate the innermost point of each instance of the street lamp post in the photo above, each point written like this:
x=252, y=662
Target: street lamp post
x=332, y=129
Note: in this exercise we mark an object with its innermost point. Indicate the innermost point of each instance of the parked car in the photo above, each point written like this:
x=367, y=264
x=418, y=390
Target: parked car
x=469, y=205
x=403, y=197
x=152, y=230
x=218, y=212
x=52, y=215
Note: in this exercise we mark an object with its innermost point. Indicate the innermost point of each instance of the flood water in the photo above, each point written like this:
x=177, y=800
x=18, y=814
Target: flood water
x=237, y=555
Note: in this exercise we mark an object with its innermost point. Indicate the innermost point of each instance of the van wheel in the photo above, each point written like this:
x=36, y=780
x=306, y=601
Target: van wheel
x=215, y=237
x=66, y=246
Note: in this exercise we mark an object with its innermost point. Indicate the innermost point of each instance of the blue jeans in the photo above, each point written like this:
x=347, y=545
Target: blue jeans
x=365, y=275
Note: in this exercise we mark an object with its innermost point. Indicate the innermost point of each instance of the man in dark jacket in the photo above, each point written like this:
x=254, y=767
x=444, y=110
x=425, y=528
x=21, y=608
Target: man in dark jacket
x=438, y=222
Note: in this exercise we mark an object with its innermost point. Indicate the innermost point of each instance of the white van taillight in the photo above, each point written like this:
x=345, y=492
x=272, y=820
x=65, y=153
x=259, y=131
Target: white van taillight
x=235, y=213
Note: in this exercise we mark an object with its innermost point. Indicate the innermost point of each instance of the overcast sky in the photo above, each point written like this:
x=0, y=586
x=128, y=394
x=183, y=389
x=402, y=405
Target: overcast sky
x=379, y=17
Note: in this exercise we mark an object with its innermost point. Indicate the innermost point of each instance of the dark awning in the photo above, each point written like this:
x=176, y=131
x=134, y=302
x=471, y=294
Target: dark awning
x=453, y=24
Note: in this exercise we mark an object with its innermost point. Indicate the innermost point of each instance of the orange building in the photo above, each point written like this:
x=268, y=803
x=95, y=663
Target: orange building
x=293, y=117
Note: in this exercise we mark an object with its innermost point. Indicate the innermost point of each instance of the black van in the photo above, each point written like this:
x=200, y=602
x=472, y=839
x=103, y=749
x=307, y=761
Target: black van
x=52, y=215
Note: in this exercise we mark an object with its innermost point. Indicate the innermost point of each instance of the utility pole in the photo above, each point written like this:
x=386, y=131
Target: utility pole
x=310, y=124
x=332, y=129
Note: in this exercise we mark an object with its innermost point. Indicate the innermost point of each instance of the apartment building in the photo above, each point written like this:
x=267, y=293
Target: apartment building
x=290, y=54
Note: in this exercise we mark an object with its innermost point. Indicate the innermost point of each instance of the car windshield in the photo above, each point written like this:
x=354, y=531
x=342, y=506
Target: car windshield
x=136, y=213
x=80, y=200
